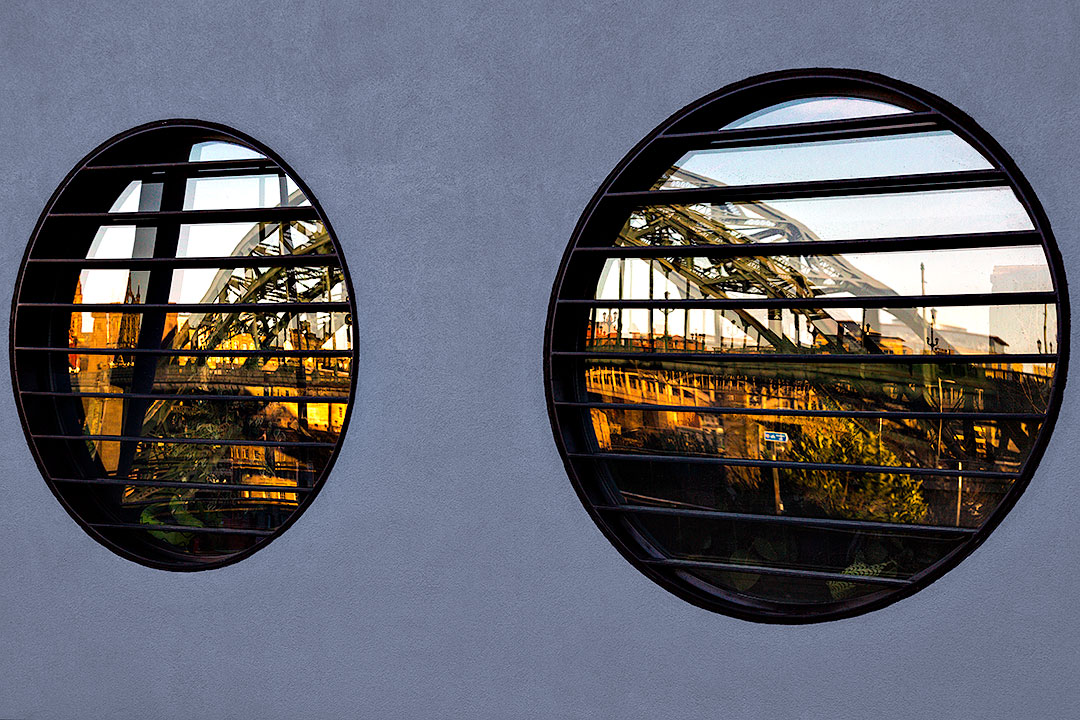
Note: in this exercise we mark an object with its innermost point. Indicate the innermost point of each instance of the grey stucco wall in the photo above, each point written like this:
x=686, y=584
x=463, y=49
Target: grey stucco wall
x=448, y=570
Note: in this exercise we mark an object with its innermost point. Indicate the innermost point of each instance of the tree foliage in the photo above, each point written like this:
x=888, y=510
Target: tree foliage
x=886, y=497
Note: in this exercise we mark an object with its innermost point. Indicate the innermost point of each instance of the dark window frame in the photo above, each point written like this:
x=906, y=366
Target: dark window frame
x=564, y=353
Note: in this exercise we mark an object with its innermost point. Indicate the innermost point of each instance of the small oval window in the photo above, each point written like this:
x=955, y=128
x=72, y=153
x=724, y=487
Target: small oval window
x=183, y=355
x=806, y=346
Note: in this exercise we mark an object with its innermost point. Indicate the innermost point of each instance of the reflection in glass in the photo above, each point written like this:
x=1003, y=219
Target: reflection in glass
x=128, y=201
x=254, y=419
x=786, y=545
x=967, y=330
x=908, y=154
x=216, y=464
x=216, y=193
x=223, y=374
x=779, y=589
x=798, y=399
x=994, y=445
x=201, y=546
x=248, y=191
x=216, y=240
x=286, y=330
x=277, y=469
x=265, y=413
x=893, y=497
x=863, y=386
x=257, y=285
x=815, y=109
x=971, y=444
x=862, y=217
x=220, y=150
x=866, y=274
x=255, y=240
x=316, y=283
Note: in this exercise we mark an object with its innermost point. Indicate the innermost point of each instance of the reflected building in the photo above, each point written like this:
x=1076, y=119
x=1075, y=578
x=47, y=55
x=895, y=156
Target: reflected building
x=235, y=373
x=1034, y=325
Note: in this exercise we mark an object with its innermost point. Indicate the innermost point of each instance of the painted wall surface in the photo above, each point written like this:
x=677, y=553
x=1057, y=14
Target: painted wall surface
x=448, y=569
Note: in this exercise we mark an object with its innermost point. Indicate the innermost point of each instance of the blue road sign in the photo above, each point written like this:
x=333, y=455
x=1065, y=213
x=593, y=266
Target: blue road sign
x=775, y=436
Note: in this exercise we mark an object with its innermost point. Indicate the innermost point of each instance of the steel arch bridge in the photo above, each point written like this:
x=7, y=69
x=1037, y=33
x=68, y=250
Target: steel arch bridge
x=736, y=224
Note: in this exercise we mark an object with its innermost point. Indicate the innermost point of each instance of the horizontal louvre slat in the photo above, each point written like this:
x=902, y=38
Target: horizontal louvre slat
x=861, y=301
x=823, y=247
x=785, y=572
x=886, y=414
x=190, y=217
x=227, y=261
x=223, y=307
x=111, y=482
x=208, y=168
x=852, y=525
x=182, y=528
x=994, y=359
x=819, y=188
x=189, y=353
x=782, y=464
x=186, y=441
x=808, y=132
x=335, y=399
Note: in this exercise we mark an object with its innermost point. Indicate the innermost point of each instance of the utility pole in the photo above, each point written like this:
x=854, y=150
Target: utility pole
x=618, y=323
x=1047, y=347
x=959, y=493
x=922, y=283
x=652, y=331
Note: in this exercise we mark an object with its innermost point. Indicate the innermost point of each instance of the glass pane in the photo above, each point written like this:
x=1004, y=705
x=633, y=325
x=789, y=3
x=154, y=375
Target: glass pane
x=320, y=283
x=258, y=285
x=801, y=591
x=864, y=217
x=864, y=274
x=278, y=469
x=886, y=554
x=242, y=420
x=994, y=445
x=138, y=196
x=220, y=375
x=241, y=464
x=247, y=191
x=215, y=240
x=211, y=331
x=879, y=497
x=925, y=387
x=248, y=239
x=816, y=109
x=129, y=199
x=257, y=331
x=219, y=150
x=217, y=419
x=967, y=330
x=110, y=286
x=907, y=154
x=119, y=241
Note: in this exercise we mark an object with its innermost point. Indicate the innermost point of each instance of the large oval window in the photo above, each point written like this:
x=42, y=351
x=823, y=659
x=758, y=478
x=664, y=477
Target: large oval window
x=806, y=346
x=183, y=353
